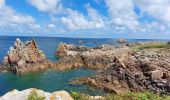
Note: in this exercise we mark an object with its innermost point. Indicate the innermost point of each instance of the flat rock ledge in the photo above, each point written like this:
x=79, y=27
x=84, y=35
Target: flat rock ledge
x=25, y=57
x=71, y=56
x=23, y=95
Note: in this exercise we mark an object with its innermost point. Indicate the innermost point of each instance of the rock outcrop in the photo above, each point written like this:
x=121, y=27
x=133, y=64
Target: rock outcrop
x=25, y=57
x=23, y=95
x=139, y=71
x=71, y=56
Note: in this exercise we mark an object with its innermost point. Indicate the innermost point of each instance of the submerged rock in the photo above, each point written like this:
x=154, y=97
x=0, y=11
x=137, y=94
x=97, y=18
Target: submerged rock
x=25, y=57
x=23, y=95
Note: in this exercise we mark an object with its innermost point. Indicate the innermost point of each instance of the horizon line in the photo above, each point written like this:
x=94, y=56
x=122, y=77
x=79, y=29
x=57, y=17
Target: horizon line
x=86, y=37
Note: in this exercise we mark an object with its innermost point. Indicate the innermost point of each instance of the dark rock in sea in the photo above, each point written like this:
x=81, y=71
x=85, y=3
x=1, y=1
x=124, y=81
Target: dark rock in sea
x=25, y=57
x=122, y=42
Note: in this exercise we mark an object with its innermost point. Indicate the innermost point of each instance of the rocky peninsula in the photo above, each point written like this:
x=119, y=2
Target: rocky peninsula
x=122, y=69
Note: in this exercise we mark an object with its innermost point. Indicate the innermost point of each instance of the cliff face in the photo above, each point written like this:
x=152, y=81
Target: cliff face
x=25, y=57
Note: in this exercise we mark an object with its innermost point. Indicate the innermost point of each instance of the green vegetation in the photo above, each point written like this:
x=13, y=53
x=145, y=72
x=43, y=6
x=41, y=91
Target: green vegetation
x=150, y=46
x=127, y=96
x=34, y=96
x=168, y=45
x=137, y=96
x=79, y=96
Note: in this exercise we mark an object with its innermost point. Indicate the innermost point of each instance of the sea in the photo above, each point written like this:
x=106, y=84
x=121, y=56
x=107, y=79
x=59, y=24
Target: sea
x=52, y=80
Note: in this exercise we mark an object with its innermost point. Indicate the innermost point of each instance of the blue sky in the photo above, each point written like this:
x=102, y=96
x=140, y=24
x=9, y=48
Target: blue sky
x=86, y=18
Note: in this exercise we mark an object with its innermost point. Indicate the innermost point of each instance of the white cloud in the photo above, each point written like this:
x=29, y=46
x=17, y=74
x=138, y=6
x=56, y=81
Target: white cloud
x=76, y=20
x=159, y=9
x=49, y=6
x=124, y=18
x=51, y=26
x=95, y=17
x=2, y=3
x=12, y=21
x=73, y=20
x=122, y=13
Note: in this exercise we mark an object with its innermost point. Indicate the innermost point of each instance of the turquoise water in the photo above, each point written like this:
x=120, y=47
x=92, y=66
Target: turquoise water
x=50, y=80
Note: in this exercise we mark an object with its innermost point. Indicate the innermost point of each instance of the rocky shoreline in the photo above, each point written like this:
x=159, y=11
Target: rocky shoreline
x=136, y=72
x=121, y=70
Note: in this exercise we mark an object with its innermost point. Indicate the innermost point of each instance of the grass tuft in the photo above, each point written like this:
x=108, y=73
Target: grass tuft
x=34, y=96
x=79, y=96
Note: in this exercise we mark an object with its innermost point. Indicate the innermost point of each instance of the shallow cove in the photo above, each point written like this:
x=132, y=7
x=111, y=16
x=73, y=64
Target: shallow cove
x=48, y=80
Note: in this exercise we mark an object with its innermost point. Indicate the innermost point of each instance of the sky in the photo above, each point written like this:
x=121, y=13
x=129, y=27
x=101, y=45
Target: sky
x=86, y=18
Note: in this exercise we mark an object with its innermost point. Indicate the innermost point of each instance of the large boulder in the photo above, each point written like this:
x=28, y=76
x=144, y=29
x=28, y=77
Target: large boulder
x=61, y=50
x=25, y=57
x=23, y=95
x=69, y=49
x=156, y=74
